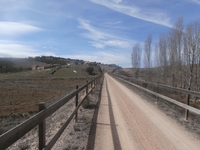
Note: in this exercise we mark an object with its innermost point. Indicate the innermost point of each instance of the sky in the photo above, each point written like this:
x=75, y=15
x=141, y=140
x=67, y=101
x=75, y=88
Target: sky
x=92, y=30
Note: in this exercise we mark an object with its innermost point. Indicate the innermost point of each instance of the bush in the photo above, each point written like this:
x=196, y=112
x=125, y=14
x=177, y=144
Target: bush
x=90, y=70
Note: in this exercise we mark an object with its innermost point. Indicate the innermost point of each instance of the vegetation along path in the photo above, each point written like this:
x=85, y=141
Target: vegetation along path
x=126, y=121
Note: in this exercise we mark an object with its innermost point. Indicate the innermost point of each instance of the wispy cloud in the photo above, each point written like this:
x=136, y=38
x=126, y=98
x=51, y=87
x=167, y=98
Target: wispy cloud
x=93, y=32
x=110, y=43
x=196, y=1
x=15, y=28
x=154, y=16
x=117, y=1
x=112, y=23
x=100, y=38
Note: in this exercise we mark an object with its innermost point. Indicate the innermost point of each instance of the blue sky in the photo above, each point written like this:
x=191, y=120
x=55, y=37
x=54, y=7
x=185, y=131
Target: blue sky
x=95, y=30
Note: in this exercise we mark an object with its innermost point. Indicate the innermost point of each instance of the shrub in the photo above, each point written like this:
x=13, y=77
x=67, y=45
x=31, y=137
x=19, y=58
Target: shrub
x=90, y=70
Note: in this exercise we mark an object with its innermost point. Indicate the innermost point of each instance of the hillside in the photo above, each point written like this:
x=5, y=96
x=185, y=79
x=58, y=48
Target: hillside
x=25, y=89
x=109, y=67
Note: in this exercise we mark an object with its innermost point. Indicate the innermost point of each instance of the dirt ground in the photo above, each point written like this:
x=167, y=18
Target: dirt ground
x=119, y=119
x=127, y=121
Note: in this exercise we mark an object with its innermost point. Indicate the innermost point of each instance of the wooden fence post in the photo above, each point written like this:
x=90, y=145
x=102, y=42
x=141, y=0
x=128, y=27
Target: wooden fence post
x=157, y=93
x=42, y=128
x=76, y=104
x=87, y=88
x=188, y=103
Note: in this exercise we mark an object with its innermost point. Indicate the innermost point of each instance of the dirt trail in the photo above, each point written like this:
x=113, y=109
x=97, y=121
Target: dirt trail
x=127, y=122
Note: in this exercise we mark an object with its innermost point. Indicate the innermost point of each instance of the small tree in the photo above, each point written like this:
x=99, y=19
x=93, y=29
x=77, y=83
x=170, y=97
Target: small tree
x=147, y=54
x=136, y=57
x=90, y=70
x=162, y=56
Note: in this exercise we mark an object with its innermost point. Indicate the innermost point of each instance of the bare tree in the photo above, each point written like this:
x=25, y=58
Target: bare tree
x=176, y=50
x=191, y=53
x=172, y=58
x=157, y=62
x=176, y=56
x=147, y=54
x=163, y=58
x=136, y=58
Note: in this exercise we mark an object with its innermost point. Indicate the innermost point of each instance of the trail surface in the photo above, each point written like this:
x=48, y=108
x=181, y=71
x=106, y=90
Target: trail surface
x=127, y=122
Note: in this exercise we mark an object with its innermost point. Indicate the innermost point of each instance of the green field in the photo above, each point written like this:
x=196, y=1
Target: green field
x=76, y=71
x=21, y=92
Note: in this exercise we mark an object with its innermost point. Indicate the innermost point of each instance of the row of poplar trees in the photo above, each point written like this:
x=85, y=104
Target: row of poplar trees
x=173, y=60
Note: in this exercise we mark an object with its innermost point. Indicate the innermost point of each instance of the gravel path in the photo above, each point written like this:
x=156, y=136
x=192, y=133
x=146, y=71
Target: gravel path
x=126, y=121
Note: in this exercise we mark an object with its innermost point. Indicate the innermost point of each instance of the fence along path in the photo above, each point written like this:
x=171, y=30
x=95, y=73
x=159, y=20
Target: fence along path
x=11, y=136
x=197, y=94
x=186, y=106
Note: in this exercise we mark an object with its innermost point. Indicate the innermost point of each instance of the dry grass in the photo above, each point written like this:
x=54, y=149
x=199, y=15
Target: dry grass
x=23, y=96
x=75, y=135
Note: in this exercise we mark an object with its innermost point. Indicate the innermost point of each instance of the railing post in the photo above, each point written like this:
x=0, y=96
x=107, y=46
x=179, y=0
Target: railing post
x=94, y=83
x=157, y=93
x=188, y=103
x=76, y=104
x=42, y=128
x=87, y=88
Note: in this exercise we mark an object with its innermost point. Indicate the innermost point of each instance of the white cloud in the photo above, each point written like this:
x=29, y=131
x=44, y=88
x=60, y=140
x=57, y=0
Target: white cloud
x=112, y=58
x=15, y=49
x=153, y=16
x=15, y=28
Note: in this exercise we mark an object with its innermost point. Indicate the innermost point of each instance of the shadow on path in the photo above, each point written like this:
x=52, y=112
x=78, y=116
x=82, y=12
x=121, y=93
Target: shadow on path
x=92, y=135
x=115, y=136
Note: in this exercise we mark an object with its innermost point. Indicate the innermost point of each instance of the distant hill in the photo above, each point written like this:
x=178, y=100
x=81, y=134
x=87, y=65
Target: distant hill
x=17, y=64
x=109, y=67
x=24, y=62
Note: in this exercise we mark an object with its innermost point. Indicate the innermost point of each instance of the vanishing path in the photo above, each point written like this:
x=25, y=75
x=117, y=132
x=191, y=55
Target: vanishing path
x=127, y=122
